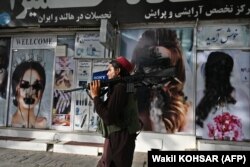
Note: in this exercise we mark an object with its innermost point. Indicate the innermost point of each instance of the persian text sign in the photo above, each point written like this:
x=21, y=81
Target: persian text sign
x=223, y=36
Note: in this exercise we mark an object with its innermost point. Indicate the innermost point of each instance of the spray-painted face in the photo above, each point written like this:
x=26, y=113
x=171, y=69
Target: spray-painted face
x=153, y=59
x=36, y=86
x=30, y=89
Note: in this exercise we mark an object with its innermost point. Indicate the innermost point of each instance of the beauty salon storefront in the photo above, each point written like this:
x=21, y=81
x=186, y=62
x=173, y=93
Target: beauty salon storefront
x=73, y=41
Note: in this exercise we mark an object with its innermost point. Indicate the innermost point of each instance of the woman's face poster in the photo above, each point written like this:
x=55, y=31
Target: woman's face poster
x=223, y=97
x=164, y=106
x=30, y=88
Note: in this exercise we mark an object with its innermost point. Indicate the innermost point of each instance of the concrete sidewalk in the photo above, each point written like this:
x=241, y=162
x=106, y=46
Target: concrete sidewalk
x=23, y=158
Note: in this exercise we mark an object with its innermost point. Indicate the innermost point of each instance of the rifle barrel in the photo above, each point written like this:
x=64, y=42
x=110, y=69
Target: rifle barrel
x=169, y=73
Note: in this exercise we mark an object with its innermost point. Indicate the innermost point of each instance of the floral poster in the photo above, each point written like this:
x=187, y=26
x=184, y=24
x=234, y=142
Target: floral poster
x=223, y=95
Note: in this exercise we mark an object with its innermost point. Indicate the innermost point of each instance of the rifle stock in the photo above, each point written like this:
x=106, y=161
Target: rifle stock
x=166, y=74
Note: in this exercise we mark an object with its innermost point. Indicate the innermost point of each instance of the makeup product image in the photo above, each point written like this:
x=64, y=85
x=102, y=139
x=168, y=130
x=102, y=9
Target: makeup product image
x=83, y=120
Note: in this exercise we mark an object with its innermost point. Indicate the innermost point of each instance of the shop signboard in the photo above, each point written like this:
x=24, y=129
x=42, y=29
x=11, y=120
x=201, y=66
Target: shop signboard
x=41, y=13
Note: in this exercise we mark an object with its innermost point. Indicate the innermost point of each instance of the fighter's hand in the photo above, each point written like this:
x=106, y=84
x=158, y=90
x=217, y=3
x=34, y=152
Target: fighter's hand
x=95, y=87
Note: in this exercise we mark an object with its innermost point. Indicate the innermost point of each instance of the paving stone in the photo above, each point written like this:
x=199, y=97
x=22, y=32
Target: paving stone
x=24, y=158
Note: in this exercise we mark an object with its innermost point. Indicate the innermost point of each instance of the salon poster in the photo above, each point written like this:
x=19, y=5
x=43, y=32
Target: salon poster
x=223, y=105
x=4, y=64
x=82, y=100
x=31, y=85
x=87, y=45
x=98, y=66
x=166, y=107
x=64, y=80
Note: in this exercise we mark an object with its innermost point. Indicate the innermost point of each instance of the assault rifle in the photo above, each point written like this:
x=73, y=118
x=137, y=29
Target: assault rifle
x=137, y=80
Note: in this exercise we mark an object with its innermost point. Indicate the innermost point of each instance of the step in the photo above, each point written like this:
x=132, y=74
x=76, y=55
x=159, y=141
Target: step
x=21, y=143
x=76, y=147
x=72, y=147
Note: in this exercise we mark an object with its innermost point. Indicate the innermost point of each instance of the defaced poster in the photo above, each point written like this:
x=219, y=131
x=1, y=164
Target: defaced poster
x=166, y=107
x=223, y=96
x=223, y=85
x=31, y=81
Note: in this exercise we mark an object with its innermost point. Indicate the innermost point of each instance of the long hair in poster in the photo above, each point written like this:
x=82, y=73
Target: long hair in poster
x=167, y=106
x=223, y=96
